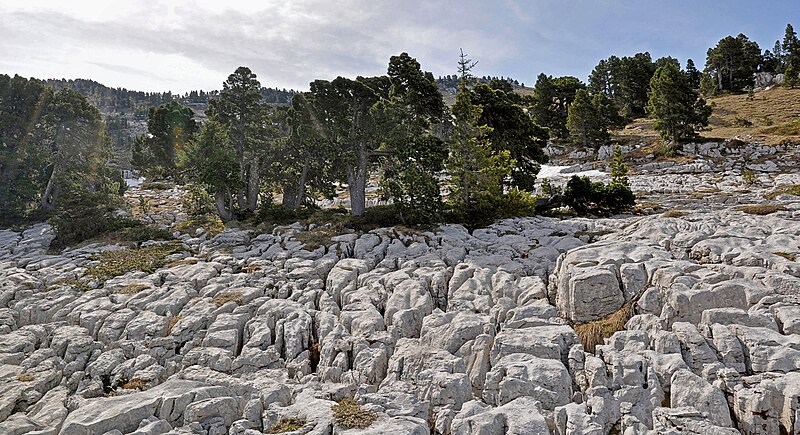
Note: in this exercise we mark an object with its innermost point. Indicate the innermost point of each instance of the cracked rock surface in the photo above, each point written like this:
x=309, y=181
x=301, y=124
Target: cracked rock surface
x=439, y=332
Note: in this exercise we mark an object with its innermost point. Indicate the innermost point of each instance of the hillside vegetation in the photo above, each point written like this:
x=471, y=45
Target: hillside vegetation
x=771, y=117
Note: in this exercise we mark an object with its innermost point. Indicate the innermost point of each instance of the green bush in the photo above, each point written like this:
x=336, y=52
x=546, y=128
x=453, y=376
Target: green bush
x=585, y=196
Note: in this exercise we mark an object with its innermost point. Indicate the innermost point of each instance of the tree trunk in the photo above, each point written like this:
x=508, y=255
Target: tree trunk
x=289, y=197
x=46, y=203
x=301, y=184
x=253, y=187
x=222, y=208
x=357, y=182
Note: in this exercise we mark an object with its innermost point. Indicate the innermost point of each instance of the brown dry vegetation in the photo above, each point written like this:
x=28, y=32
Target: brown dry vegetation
x=225, y=297
x=349, y=415
x=134, y=384
x=594, y=333
x=761, y=209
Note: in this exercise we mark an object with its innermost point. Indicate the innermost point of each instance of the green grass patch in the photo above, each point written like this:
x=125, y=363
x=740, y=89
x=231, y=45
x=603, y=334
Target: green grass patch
x=117, y=263
x=210, y=223
x=156, y=185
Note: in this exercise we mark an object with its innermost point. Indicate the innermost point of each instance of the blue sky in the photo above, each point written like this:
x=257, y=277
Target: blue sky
x=181, y=45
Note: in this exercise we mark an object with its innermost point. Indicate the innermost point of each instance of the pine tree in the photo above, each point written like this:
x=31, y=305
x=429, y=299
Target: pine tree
x=693, y=76
x=676, y=107
x=475, y=171
x=590, y=117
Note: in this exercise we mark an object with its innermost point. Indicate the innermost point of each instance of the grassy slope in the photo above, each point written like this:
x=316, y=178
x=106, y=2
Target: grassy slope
x=774, y=114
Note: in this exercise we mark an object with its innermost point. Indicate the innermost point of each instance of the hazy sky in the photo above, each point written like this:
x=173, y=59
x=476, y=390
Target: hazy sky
x=181, y=45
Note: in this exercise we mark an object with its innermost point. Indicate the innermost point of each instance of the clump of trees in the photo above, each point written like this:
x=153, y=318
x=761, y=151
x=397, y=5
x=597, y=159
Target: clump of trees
x=54, y=155
x=341, y=131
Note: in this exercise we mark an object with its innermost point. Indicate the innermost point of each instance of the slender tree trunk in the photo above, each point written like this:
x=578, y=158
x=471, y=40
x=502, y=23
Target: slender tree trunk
x=357, y=182
x=46, y=203
x=220, y=200
x=289, y=196
x=301, y=183
x=253, y=186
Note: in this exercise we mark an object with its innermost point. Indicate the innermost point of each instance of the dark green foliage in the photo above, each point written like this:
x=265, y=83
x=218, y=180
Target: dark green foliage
x=414, y=154
x=693, y=76
x=733, y=62
x=551, y=100
x=625, y=81
x=211, y=161
x=590, y=118
x=512, y=130
x=588, y=197
x=53, y=153
x=677, y=109
x=170, y=127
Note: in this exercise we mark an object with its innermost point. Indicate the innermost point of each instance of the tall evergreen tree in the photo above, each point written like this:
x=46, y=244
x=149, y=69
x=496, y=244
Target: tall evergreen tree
x=676, y=107
x=239, y=108
x=693, y=76
x=591, y=116
x=170, y=126
x=513, y=130
x=413, y=154
x=791, y=48
x=625, y=81
x=476, y=171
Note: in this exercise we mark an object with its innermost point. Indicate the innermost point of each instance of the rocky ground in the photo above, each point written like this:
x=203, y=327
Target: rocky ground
x=438, y=332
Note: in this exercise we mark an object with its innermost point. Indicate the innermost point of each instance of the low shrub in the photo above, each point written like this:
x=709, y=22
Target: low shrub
x=156, y=185
x=26, y=377
x=787, y=255
x=742, y=122
x=134, y=384
x=793, y=189
x=287, y=424
x=131, y=289
x=348, y=414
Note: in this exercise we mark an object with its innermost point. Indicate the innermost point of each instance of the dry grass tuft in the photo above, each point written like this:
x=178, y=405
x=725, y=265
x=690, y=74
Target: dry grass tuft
x=593, y=333
x=674, y=213
x=172, y=322
x=287, y=424
x=25, y=377
x=349, y=415
x=134, y=384
x=225, y=297
x=793, y=189
x=787, y=255
x=761, y=209
x=131, y=289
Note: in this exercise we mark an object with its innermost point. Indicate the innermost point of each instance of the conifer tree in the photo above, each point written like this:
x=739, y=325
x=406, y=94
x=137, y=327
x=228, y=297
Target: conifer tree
x=476, y=171
x=676, y=107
